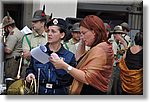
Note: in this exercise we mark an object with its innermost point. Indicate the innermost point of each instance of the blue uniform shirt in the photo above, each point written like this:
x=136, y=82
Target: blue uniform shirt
x=58, y=79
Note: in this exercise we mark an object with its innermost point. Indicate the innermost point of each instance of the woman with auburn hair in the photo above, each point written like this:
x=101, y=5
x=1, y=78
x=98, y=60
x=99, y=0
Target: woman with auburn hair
x=94, y=69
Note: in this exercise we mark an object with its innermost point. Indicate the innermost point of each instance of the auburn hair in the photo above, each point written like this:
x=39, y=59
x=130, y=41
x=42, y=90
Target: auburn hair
x=94, y=23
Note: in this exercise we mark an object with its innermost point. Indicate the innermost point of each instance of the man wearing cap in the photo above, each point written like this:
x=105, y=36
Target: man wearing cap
x=36, y=38
x=120, y=40
x=13, y=47
x=72, y=44
x=119, y=47
x=51, y=80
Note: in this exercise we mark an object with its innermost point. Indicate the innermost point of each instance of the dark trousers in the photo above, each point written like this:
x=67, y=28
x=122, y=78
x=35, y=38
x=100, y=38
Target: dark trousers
x=115, y=82
x=52, y=91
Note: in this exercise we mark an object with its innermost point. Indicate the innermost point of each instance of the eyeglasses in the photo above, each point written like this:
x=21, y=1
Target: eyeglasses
x=85, y=32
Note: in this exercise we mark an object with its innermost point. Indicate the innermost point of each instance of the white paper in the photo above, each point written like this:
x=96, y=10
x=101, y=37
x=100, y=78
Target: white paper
x=26, y=30
x=38, y=54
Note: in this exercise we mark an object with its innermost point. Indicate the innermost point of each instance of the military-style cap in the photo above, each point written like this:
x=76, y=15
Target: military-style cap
x=58, y=22
x=125, y=26
x=7, y=20
x=39, y=15
x=118, y=29
x=48, y=18
x=75, y=27
x=107, y=27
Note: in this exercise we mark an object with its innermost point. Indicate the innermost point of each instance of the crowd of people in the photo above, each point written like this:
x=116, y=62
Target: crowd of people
x=97, y=60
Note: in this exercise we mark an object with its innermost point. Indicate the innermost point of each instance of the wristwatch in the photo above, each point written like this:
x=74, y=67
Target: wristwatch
x=69, y=68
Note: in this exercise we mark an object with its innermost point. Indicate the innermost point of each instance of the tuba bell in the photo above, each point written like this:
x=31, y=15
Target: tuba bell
x=20, y=86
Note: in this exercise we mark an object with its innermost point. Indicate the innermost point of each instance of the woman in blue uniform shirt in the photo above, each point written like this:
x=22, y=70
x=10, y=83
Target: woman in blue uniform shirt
x=52, y=81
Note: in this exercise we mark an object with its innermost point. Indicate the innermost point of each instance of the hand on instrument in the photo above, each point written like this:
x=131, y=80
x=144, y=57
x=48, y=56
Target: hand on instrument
x=30, y=77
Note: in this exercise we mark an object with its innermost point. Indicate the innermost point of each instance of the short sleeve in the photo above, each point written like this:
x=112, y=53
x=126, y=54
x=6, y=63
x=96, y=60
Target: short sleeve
x=11, y=41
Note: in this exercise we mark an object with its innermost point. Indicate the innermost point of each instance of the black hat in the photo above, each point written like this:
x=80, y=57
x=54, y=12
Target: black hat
x=58, y=22
x=75, y=27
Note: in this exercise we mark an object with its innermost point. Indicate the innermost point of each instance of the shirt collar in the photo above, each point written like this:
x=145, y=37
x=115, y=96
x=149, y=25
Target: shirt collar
x=61, y=51
x=71, y=41
x=37, y=35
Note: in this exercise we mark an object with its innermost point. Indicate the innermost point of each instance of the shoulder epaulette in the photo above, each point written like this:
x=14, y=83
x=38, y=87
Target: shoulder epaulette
x=11, y=33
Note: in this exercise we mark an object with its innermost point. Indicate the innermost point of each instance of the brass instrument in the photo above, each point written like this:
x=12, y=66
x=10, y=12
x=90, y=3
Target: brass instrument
x=20, y=86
